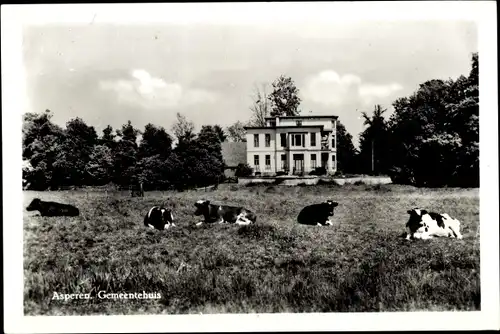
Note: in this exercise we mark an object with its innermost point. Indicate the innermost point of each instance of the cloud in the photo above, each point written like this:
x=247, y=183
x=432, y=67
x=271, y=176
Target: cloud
x=150, y=92
x=329, y=88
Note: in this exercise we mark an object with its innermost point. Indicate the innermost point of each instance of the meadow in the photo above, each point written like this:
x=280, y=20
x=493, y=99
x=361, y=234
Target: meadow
x=361, y=264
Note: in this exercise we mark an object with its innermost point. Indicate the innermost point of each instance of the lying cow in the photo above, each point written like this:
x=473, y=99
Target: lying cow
x=223, y=213
x=425, y=225
x=317, y=214
x=159, y=218
x=52, y=209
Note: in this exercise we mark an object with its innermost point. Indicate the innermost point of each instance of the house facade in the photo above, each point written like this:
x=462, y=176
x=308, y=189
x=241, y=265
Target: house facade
x=295, y=145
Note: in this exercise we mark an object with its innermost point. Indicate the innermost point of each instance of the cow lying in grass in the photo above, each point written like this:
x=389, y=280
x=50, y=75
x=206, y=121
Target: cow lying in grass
x=159, y=218
x=221, y=214
x=52, y=209
x=317, y=214
x=425, y=225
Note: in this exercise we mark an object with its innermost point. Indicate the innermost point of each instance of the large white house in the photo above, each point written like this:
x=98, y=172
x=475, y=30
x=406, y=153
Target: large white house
x=293, y=144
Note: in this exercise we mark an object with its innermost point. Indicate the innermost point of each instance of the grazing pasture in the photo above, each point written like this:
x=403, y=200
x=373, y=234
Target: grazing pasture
x=361, y=263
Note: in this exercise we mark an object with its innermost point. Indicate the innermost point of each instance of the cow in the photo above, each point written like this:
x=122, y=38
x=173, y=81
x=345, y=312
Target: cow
x=317, y=214
x=159, y=218
x=221, y=214
x=52, y=209
x=425, y=225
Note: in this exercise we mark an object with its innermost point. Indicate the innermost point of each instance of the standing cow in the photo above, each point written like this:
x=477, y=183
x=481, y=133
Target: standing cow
x=159, y=218
x=425, y=225
x=223, y=213
x=317, y=214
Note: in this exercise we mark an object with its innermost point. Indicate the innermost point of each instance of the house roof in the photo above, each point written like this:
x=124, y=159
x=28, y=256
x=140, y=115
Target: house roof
x=234, y=153
x=305, y=116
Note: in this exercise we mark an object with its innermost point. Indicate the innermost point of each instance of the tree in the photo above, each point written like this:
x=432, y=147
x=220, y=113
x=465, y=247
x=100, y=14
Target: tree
x=108, y=137
x=155, y=141
x=346, y=152
x=374, y=141
x=100, y=165
x=42, y=140
x=198, y=159
x=435, y=133
x=220, y=133
x=236, y=132
x=128, y=133
x=125, y=157
x=260, y=106
x=183, y=128
x=74, y=153
x=284, y=98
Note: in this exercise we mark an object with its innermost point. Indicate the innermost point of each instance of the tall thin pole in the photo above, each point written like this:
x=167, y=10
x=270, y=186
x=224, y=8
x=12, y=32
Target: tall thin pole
x=373, y=161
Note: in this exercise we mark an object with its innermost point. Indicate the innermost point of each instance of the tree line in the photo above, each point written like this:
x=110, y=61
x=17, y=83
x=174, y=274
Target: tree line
x=77, y=156
x=431, y=139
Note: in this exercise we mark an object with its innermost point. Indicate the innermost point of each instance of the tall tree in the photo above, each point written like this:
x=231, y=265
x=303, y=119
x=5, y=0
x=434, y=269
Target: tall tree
x=284, y=98
x=155, y=141
x=261, y=107
x=220, y=133
x=42, y=140
x=125, y=157
x=346, y=152
x=374, y=141
x=198, y=159
x=74, y=153
x=128, y=133
x=236, y=132
x=183, y=128
x=100, y=165
x=108, y=137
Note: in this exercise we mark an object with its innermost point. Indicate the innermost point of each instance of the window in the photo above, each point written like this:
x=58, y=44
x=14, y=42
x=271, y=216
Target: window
x=283, y=139
x=268, y=140
x=299, y=123
x=272, y=123
x=256, y=140
x=256, y=160
x=268, y=162
x=333, y=161
x=313, y=139
x=298, y=139
x=314, y=164
x=333, y=140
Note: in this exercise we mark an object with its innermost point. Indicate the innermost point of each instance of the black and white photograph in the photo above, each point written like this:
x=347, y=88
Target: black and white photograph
x=250, y=166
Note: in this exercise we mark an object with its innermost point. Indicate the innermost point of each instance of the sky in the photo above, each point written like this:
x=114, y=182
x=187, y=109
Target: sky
x=147, y=72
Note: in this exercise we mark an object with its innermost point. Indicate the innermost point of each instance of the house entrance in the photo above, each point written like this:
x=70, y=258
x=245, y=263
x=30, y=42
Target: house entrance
x=324, y=160
x=298, y=163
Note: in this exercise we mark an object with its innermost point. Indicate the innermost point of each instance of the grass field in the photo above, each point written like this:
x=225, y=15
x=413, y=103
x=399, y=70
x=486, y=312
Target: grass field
x=359, y=264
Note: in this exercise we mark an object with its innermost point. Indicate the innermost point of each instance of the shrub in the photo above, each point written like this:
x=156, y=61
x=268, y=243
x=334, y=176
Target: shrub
x=318, y=171
x=243, y=170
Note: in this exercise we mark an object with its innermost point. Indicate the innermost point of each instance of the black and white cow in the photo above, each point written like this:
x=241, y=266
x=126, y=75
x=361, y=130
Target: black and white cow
x=221, y=214
x=317, y=214
x=52, y=209
x=159, y=218
x=425, y=225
